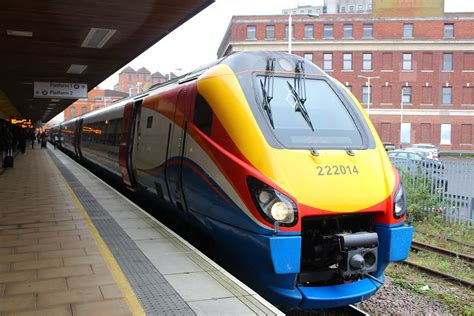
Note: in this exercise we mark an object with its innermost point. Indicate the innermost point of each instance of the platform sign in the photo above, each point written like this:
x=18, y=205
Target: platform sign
x=59, y=90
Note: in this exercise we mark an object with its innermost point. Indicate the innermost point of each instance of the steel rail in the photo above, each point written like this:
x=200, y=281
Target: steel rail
x=416, y=245
x=465, y=244
x=439, y=274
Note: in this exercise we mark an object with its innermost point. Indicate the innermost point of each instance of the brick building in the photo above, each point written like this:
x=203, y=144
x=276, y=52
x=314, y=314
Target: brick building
x=130, y=82
x=96, y=98
x=424, y=92
x=134, y=81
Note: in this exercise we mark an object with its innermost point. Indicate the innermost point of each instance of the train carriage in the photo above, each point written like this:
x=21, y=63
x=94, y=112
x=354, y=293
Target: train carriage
x=273, y=159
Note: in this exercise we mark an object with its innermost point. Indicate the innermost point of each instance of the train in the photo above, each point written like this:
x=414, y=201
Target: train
x=274, y=160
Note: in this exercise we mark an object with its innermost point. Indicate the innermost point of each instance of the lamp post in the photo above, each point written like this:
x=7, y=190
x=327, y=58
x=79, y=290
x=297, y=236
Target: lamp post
x=401, y=116
x=368, y=90
x=138, y=86
x=290, y=28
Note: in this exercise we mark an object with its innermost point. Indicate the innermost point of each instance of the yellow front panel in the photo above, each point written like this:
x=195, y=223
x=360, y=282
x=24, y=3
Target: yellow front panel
x=296, y=171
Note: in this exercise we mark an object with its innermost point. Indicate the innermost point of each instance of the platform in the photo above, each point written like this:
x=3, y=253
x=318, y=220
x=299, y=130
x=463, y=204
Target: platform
x=71, y=245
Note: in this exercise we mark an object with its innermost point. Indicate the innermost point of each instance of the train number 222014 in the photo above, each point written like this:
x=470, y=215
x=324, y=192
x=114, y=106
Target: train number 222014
x=336, y=170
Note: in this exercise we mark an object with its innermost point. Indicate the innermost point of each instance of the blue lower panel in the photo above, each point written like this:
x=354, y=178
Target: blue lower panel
x=286, y=254
x=337, y=295
x=394, y=242
x=270, y=264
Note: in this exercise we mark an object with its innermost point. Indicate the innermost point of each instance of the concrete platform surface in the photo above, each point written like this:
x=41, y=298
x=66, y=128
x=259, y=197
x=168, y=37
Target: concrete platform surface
x=72, y=245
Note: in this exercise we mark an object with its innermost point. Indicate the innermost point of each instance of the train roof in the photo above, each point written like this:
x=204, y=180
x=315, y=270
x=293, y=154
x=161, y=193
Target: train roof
x=238, y=62
x=284, y=62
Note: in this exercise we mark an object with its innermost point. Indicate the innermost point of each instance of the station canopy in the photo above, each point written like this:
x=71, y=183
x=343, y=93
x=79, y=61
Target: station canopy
x=75, y=41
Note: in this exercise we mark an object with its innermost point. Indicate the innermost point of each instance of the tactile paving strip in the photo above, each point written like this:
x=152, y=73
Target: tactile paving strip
x=156, y=295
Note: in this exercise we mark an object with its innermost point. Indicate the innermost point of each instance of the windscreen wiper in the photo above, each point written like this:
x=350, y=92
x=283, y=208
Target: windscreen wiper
x=300, y=95
x=267, y=88
x=299, y=106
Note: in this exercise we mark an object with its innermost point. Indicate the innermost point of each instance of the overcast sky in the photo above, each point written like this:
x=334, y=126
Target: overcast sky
x=195, y=43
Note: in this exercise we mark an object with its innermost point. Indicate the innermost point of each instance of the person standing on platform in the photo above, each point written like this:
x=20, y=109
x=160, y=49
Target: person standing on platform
x=43, y=137
x=32, y=138
x=22, y=140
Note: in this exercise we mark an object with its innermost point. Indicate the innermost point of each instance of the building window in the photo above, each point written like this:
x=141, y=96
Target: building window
x=468, y=95
x=468, y=63
x=406, y=64
x=270, y=31
x=446, y=97
x=365, y=94
x=343, y=9
x=349, y=87
x=387, y=61
x=426, y=95
x=308, y=56
x=448, y=30
x=425, y=133
x=292, y=31
x=72, y=111
x=347, y=61
x=83, y=109
x=308, y=31
x=369, y=6
x=405, y=133
x=351, y=8
x=445, y=137
x=387, y=94
x=427, y=61
x=466, y=134
x=360, y=7
x=251, y=32
x=407, y=30
x=367, y=61
x=347, y=31
x=447, y=61
x=328, y=31
x=385, y=129
x=327, y=61
x=368, y=31
x=406, y=95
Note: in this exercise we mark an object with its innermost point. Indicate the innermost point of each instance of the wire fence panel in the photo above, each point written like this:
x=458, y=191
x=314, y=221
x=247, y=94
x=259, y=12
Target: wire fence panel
x=450, y=182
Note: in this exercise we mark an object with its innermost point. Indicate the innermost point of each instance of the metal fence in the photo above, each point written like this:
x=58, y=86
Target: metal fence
x=450, y=183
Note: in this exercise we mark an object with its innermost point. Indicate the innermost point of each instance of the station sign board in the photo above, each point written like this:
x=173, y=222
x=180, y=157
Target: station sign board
x=24, y=123
x=59, y=90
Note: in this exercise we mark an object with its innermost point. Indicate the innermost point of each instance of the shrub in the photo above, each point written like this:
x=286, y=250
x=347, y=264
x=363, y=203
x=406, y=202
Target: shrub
x=420, y=201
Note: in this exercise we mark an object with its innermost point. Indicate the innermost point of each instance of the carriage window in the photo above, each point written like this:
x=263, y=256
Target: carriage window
x=203, y=115
x=149, y=122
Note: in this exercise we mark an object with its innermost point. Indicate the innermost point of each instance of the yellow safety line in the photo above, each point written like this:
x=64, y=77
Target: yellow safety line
x=117, y=273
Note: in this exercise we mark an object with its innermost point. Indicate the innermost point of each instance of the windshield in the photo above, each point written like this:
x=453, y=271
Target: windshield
x=321, y=121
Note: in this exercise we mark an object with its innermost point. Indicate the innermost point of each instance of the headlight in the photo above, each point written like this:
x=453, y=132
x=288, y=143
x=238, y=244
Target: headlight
x=399, y=203
x=273, y=205
x=282, y=212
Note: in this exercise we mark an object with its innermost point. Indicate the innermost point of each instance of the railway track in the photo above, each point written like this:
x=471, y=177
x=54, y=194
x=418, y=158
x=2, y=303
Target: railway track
x=439, y=274
x=416, y=245
x=420, y=246
x=464, y=244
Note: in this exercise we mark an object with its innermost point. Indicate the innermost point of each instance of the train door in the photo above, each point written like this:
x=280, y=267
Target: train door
x=175, y=151
x=77, y=140
x=129, y=126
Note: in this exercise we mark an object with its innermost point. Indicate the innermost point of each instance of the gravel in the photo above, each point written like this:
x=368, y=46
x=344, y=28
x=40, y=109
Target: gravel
x=392, y=299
